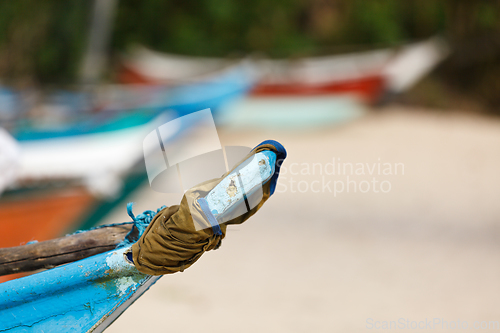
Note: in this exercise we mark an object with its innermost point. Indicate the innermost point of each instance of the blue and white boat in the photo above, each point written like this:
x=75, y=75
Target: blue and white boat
x=125, y=106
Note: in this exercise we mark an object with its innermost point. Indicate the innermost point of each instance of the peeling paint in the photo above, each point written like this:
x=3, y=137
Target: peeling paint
x=232, y=189
x=74, y=298
x=124, y=283
x=255, y=171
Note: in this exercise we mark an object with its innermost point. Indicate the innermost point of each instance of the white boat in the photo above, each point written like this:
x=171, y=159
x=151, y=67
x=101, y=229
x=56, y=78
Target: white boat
x=367, y=74
x=9, y=159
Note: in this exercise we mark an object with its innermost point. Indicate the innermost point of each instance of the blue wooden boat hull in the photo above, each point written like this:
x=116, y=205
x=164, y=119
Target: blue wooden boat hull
x=84, y=296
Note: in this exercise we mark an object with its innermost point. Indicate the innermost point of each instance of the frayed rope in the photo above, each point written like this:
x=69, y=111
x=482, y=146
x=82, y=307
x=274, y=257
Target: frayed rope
x=141, y=222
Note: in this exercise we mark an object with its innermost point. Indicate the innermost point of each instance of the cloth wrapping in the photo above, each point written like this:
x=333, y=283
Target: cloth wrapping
x=172, y=242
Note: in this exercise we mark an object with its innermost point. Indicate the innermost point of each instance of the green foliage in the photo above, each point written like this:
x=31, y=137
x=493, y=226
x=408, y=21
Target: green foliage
x=42, y=41
x=208, y=27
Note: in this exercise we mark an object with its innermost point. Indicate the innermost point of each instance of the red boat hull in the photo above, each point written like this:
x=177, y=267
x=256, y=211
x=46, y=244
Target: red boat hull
x=127, y=75
x=368, y=88
x=41, y=216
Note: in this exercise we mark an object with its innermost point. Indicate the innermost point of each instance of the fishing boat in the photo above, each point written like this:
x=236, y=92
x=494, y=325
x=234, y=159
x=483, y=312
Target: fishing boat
x=9, y=157
x=89, y=294
x=115, y=107
x=358, y=74
x=367, y=75
x=39, y=214
x=144, y=66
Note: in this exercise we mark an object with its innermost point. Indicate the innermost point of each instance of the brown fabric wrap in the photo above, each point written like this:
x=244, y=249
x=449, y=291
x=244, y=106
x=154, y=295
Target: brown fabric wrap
x=171, y=242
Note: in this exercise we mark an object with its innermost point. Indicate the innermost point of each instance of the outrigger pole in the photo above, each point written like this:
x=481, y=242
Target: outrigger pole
x=55, y=252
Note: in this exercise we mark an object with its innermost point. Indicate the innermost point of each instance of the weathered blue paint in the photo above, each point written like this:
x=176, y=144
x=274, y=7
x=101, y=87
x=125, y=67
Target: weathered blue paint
x=244, y=180
x=71, y=298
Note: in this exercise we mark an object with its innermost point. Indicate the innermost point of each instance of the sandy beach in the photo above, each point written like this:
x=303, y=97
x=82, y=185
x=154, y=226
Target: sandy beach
x=423, y=247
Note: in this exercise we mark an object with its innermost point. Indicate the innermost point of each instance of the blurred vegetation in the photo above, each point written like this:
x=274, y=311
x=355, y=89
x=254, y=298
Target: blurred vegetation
x=42, y=42
x=277, y=28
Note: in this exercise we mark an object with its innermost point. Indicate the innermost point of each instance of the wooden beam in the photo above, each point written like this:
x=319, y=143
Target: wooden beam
x=51, y=253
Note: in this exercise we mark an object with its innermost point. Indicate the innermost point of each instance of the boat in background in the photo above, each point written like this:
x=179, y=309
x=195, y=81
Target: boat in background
x=41, y=213
x=114, y=107
x=40, y=210
x=367, y=75
x=144, y=66
x=293, y=113
x=9, y=159
x=357, y=74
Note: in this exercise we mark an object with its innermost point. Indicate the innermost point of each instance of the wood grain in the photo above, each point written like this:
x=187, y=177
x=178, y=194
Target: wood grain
x=51, y=253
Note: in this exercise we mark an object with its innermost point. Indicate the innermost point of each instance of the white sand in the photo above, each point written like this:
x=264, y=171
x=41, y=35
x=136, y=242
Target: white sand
x=313, y=262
